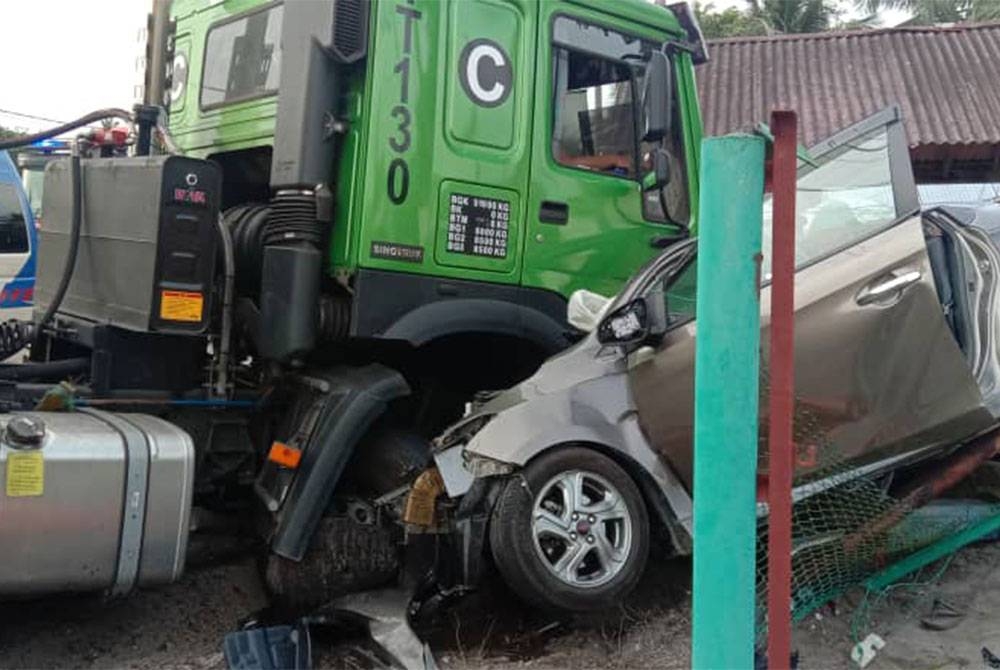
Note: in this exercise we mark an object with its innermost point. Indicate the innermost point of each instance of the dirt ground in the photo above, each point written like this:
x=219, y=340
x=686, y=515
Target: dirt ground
x=182, y=626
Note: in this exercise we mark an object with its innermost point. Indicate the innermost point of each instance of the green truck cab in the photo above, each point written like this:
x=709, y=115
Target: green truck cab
x=414, y=189
x=495, y=144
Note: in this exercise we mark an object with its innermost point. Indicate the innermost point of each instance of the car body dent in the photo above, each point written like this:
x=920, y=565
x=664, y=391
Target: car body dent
x=599, y=413
x=579, y=397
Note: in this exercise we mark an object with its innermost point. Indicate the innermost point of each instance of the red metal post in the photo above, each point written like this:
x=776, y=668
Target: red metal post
x=780, y=402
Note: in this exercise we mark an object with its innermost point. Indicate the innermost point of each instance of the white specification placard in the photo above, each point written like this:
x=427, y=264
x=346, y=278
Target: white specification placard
x=478, y=226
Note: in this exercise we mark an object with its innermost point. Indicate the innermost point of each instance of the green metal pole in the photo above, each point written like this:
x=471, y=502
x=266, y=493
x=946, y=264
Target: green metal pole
x=727, y=362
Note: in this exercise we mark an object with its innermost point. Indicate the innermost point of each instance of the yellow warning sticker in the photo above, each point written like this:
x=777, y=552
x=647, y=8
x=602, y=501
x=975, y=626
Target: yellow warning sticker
x=181, y=305
x=25, y=474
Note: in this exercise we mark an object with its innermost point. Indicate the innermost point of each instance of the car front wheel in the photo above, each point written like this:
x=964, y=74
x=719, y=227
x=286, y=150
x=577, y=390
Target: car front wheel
x=571, y=531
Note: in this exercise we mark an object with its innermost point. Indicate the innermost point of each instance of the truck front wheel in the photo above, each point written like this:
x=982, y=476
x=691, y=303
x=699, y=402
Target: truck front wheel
x=354, y=548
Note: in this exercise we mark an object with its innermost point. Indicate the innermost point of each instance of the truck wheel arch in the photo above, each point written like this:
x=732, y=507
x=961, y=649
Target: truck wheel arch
x=443, y=318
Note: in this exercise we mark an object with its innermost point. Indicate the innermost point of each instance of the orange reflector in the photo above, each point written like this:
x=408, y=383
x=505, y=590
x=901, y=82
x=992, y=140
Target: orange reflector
x=284, y=455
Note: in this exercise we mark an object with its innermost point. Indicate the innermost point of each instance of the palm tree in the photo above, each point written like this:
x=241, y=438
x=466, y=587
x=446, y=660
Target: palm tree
x=794, y=16
x=940, y=11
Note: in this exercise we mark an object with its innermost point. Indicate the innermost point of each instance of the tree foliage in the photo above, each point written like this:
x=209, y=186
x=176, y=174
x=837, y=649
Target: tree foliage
x=795, y=16
x=6, y=133
x=929, y=12
x=767, y=17
x=730, y=22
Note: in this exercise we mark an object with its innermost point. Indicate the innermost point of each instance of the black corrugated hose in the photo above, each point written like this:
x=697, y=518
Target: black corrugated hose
x=74, y=245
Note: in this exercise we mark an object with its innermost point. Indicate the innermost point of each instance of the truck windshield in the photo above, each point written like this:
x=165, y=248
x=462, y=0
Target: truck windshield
x=13, y=230
x=242, y=58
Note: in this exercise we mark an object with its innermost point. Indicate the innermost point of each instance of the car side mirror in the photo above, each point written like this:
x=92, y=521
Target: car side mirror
x=626, y=325
x=657, y=98
x=660, y=175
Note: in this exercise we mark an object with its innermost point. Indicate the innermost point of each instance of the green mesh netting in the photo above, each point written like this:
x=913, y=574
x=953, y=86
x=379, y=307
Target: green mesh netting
x=849, y=526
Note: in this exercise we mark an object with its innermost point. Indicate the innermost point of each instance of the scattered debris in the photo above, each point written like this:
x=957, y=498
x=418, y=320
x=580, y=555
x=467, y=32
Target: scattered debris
x=943, y=616
x=864, y=652
x=387, y=614
x=990, y=659
x=269, y=648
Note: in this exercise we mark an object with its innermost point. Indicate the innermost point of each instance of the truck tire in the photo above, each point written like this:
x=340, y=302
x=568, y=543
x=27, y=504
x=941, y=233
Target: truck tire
x=571, y=532
x=344, y=556
x=352, y=550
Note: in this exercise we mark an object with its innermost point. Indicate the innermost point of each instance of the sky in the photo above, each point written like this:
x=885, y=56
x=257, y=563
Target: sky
x=63, y=58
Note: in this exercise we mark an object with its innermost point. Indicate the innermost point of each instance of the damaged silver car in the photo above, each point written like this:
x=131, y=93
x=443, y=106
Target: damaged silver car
x=897, y=362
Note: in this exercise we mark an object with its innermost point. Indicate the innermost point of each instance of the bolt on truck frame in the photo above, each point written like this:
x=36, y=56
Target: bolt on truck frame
x=381, y=208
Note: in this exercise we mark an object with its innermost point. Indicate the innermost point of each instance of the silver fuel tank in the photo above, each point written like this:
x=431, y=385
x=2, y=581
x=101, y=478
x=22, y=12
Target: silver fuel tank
x=92, y=501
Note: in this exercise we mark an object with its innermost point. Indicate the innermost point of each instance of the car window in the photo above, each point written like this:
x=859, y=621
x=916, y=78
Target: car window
x=845, y=199
x=677, y=291
x=680, y=295
x=13, y=228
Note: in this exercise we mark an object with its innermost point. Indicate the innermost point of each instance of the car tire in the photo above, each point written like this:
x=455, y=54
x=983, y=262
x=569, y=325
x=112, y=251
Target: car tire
x=556, y=560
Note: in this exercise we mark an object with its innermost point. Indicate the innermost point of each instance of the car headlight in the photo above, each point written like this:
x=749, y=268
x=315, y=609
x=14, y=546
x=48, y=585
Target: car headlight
x=483, y=466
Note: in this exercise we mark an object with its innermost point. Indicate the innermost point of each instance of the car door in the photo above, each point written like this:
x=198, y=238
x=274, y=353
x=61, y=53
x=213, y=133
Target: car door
x=879, y=376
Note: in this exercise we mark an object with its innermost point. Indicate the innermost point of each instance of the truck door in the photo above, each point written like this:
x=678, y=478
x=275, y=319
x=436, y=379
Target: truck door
x=588, y=222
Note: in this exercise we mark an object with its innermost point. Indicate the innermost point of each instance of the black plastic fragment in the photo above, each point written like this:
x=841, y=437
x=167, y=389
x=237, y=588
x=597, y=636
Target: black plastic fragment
x=269, y=648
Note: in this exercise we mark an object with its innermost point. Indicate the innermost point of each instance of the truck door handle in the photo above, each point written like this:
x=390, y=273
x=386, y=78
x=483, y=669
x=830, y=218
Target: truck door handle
x=554, y=212
x=664, y=241
x=887, y=288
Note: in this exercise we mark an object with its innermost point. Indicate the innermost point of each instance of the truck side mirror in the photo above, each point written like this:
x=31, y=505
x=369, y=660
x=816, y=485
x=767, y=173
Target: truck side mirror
x=657, y=98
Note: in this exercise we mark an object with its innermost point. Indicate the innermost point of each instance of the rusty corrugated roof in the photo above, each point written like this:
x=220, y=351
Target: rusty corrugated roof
x=945, y=79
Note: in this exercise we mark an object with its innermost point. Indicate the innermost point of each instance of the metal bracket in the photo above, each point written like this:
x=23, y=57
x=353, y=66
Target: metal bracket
x=134, y=509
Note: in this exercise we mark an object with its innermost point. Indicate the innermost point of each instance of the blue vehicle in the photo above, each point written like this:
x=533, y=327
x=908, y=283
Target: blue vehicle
x=18, y=245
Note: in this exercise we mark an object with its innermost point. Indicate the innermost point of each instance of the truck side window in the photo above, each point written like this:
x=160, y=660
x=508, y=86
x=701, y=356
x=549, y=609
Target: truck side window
x=594, y=114
x=13, y=229
x=242, y=58
x=596, y=71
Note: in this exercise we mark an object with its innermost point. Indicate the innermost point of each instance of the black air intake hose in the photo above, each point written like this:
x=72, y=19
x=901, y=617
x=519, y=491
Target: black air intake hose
x=293, y=220
x=290, y=278
x=247, y=224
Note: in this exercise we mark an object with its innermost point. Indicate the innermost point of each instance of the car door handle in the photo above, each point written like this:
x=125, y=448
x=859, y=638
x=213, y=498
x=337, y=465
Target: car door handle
x=554, y=212
x=887, y=288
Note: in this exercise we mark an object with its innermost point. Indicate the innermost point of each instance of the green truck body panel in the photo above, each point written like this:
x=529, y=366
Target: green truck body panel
x=421, y=151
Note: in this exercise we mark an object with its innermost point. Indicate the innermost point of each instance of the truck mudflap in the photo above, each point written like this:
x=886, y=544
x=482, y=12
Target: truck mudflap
x=351, y=400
